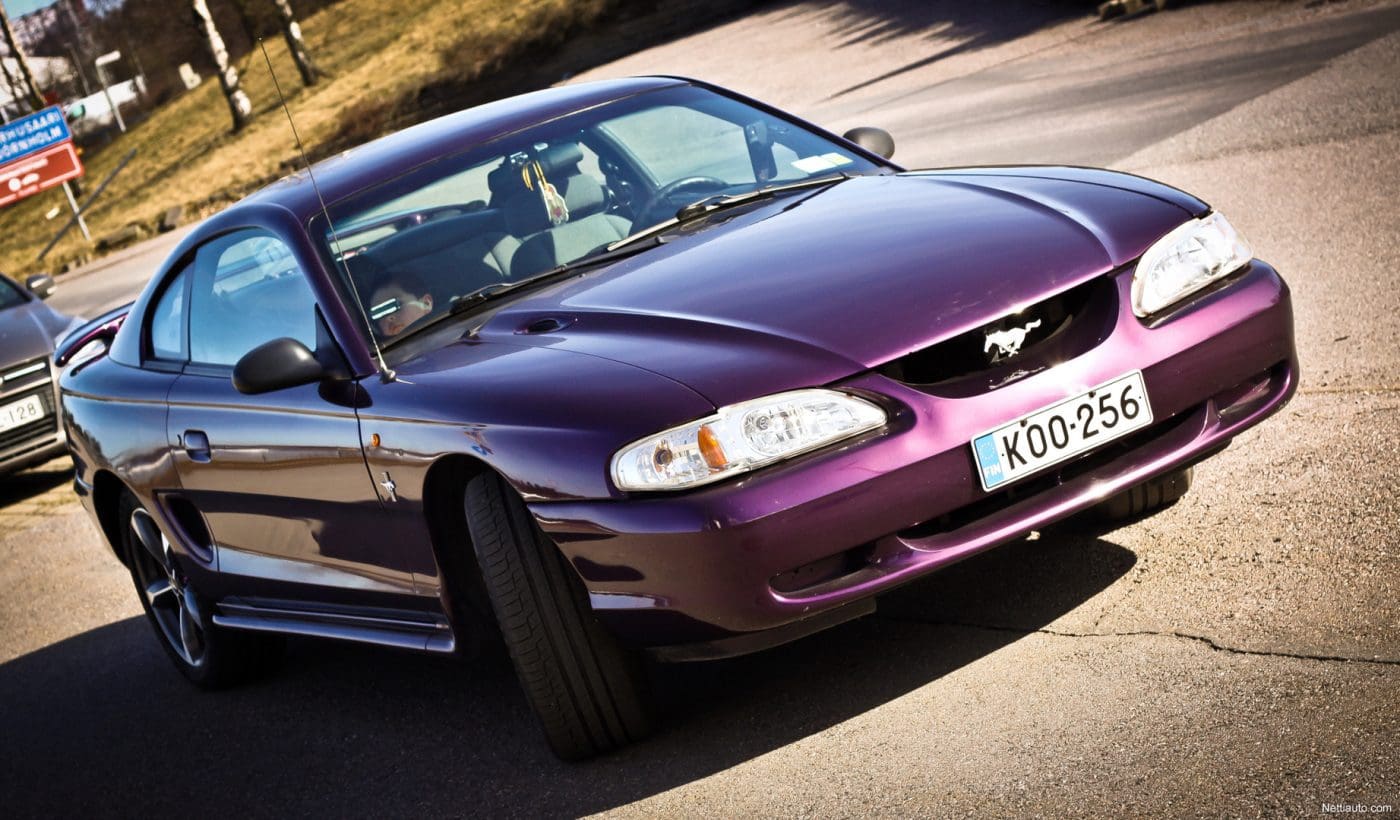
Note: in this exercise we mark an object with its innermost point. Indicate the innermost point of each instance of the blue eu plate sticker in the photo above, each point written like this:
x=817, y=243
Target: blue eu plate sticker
x=988, y=460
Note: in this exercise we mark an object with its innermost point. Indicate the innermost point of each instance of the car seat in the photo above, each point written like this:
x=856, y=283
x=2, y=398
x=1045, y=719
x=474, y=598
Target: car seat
x=585, y=226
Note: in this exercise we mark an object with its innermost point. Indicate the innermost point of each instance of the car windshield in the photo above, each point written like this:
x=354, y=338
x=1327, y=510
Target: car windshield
x=557, y=193
x=10, y=295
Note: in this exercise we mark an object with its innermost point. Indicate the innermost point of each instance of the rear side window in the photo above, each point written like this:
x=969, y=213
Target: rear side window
x=168, y=340
x=247, y=290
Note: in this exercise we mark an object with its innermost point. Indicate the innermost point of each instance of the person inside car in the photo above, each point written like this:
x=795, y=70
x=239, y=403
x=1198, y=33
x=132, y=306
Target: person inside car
x=398, y=301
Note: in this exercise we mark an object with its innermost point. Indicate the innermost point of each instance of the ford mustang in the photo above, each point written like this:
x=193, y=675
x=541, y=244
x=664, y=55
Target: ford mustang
x=644, y=370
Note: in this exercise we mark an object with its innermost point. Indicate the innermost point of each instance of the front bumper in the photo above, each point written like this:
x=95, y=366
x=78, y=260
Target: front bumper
x=34, y=453
x=43, y=440
x=773, y=555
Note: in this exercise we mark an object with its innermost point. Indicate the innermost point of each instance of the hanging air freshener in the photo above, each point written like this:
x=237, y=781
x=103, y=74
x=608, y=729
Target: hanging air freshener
x=554, y=204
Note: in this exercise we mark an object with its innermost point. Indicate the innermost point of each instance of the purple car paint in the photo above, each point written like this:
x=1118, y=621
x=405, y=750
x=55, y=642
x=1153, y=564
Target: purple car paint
x=956, y=301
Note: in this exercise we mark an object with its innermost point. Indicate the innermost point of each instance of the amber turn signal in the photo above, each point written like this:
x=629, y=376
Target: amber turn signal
x=710, y=449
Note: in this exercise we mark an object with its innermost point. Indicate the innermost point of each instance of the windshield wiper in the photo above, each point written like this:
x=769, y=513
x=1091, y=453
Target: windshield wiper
x=495, y=290
x=628, y=245
x=711, y=204
x=498, y=289
x=635, y=243
x=719, y=202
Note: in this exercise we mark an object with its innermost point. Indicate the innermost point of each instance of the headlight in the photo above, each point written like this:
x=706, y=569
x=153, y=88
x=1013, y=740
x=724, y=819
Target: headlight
x=1186, y=260
x=742, y=437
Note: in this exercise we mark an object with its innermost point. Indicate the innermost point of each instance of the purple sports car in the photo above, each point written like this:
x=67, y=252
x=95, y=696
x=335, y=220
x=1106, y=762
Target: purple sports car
x=645, y=370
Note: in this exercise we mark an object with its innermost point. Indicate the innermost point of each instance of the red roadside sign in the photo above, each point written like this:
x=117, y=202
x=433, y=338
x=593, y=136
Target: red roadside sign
x=38, y=172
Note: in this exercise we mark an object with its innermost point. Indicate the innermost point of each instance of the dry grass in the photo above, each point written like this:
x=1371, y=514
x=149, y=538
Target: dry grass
x=378, y=56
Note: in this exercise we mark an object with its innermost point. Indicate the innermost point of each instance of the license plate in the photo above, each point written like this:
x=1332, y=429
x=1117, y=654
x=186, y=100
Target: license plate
x=1062, y=430
x=22, y=412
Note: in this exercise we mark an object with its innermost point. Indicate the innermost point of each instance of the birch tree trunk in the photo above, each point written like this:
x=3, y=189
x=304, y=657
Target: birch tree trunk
x=238, y=103
x=33, y=94
x=83, y=50
x=17, y=94
x=291, y=31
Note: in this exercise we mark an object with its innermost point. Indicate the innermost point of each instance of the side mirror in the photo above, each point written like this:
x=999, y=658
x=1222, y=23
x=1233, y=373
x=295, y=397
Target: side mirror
x=276, y=365
x=874, y=140
x=41, y=285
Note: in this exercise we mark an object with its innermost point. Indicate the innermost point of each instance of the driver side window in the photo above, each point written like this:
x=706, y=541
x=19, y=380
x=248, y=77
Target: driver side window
x=247, y=290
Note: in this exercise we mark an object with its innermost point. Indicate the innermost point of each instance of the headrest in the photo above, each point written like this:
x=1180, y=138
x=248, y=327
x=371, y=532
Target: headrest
x=507, y=179
x=504, y=181
x=526, y=214
x=562, y=158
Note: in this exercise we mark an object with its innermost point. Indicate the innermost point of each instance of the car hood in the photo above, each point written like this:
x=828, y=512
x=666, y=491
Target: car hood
x=27, y=332
x=817, y=286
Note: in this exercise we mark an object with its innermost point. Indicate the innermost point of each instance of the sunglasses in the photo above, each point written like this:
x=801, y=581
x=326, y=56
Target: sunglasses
x=389, y=307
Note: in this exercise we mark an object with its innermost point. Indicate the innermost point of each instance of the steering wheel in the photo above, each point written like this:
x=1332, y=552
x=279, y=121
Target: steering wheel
x=659, y=207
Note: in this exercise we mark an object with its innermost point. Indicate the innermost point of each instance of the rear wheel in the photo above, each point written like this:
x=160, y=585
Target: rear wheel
x=1148, y=497
x=587, y=690
x=210, y=656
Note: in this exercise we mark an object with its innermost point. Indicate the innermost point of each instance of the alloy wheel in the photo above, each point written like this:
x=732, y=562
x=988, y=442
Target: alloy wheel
x=174, y=607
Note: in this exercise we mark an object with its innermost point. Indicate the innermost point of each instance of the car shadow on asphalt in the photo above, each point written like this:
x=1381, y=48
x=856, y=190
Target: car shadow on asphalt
x=25, y=485
x=101, y=724
x=967, y=26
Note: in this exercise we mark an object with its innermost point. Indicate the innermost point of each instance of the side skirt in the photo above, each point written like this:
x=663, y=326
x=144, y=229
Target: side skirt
x=421, y=635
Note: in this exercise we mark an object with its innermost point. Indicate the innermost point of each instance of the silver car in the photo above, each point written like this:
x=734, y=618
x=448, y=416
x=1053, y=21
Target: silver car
x=30, y=432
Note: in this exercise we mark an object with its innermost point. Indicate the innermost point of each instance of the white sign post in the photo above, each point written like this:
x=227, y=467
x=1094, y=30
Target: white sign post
x=107, y=59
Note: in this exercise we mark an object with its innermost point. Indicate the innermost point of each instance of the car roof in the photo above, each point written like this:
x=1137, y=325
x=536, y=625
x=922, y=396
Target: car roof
x=390, y=156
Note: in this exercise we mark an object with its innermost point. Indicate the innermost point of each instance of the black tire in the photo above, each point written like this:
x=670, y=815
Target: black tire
x=224, y=657
x=1146, y=498
x=588, y=691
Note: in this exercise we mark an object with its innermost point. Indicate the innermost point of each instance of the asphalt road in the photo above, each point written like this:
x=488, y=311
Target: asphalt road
x=1237, y=654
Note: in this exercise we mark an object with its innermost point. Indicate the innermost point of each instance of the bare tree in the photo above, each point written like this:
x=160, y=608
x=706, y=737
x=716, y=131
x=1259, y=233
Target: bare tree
x=291, y=30
x=80, y=46
x=238, y=103
x=33, y=93
x=16, y=94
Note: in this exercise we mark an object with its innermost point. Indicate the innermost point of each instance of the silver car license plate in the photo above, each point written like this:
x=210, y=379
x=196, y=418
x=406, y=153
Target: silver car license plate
x=20, y=413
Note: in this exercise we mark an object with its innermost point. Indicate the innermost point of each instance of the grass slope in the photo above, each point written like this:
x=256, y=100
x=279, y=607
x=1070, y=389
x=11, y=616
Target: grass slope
x=378, y=56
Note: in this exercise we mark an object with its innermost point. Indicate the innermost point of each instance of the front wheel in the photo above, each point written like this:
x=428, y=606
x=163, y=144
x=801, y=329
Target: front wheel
x=586, y=689
x=210, y=656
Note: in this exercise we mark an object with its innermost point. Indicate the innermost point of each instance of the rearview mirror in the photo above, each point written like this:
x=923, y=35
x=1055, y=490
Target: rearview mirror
x=276, y=365
x=41, y=285
x=874, y=140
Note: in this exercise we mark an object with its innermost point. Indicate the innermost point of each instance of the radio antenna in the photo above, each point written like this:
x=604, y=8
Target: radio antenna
x=385, y=373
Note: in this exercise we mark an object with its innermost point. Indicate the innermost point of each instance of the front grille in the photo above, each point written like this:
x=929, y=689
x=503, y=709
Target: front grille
x=19, y=382
x=1055, y=330
x=15, y=380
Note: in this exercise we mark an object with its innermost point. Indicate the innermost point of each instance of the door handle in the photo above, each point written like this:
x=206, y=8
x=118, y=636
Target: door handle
x=197, y=446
